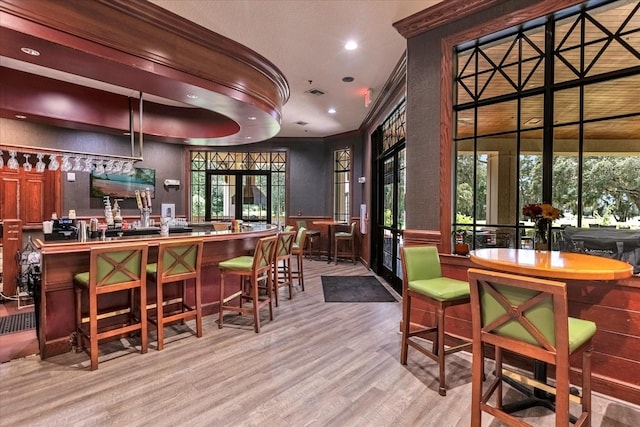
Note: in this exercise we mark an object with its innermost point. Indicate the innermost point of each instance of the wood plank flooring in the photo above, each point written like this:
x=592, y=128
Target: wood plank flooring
x=316, y=364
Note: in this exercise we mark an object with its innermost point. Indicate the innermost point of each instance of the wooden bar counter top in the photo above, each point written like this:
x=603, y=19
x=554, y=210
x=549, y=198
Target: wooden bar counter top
x=61, y=260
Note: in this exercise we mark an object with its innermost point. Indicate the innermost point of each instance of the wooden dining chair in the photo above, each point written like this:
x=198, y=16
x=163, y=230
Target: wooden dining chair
x=179, y=261
x=345, y=237
x=529, y=317
x=297, y=250
x=112, y=268
x=313, y=239
x=422, y=280
x=282, y=276
x=252, y=271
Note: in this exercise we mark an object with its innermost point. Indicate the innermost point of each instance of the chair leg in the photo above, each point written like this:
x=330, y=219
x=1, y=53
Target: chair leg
x=160, y=315
x=198, y=291
x=287, y=263
x=220, y=310
x=93, y=331
x=79, y=339
x=586, y=385
x=406, y=321
x=476, y=385
x=300, y=271
x=256, y=313
x=276, y=283
x=144, y=326
x=442, y=389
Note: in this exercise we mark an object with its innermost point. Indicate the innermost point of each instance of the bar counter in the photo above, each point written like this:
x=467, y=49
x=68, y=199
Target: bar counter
x=61, y=260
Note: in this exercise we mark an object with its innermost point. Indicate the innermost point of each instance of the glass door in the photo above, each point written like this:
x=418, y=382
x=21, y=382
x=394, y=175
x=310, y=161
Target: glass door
x=391, y=215
x=223, y=204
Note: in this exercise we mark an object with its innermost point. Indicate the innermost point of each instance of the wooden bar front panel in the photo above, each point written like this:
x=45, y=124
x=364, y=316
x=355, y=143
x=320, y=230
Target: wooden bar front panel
x=61, y=261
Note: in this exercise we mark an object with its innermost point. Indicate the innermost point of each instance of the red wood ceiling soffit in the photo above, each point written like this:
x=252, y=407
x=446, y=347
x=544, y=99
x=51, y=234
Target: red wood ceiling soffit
x=136, y=44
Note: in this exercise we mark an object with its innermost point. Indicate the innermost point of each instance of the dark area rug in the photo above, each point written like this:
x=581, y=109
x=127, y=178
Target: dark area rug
x=17, y=322
x=354, y=289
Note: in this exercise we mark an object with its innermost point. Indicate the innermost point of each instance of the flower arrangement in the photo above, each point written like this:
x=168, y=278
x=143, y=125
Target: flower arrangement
x=542, y=214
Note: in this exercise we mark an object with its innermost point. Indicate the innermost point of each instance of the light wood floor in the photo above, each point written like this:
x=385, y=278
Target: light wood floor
x=316, y=364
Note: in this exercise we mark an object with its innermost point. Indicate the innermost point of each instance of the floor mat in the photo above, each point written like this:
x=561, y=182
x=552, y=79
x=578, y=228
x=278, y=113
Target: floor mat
x=354, y=289
x=17, y=322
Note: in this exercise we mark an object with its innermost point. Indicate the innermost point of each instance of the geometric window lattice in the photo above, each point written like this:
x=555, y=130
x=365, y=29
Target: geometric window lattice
x=598, y=41
x=393, y=128
x=506, y=66
x=343, y=160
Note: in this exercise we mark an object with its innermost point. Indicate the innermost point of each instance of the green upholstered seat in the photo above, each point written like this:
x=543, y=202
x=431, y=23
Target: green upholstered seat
x=442, y=288
x=580, y=331
x=82, y=278
x=238, y=263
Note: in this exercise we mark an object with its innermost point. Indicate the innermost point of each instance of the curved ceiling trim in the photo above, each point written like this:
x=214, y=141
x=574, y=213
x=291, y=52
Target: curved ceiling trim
x=84, y=38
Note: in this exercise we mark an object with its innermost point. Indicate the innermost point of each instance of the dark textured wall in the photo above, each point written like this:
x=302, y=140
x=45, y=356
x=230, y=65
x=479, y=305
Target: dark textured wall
x=309, y=162
x=166, y=159
x=423, y=115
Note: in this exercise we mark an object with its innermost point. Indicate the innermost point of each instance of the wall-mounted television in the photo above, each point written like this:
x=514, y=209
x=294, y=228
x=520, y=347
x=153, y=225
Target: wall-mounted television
x=123, y=186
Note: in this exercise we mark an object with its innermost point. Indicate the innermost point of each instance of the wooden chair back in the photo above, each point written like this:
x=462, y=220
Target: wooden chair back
x=284, y=245
x=115, y=267
x=263, y=254
x=179, y=260
x=521, y=314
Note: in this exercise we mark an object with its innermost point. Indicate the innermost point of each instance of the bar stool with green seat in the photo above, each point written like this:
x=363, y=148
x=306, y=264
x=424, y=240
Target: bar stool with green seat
x=529, y=317
x=112, y=268
x=297, y=249
x=282, y=275
x=423, y=281
x=311, y=237
x=252, y=270
x=348, y=237
x=178, y=261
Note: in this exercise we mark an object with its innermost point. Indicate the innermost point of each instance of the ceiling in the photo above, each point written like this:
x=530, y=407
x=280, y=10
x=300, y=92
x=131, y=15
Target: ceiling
x=305, y=41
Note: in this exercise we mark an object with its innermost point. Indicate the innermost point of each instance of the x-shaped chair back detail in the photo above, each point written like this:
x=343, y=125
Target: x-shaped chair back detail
x=179, y=260
x=521, y=314
x=113, y=269
x=263, y=254
x=285, y=242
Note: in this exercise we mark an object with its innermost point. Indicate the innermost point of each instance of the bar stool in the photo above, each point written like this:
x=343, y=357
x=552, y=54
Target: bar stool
x=282, y=276
x=423, y=280
x=529, y=317
x=178, y=261
x=311, y=238
x=346, y=237
x=252, y=270
x=112, y=268
x=297, y=249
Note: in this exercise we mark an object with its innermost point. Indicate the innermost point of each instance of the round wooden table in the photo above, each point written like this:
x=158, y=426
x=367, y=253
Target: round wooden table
x=552, y=264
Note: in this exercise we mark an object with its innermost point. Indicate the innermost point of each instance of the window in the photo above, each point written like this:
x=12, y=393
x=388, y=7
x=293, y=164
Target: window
x=341, y=185
x=549, y=113
x=217, y=177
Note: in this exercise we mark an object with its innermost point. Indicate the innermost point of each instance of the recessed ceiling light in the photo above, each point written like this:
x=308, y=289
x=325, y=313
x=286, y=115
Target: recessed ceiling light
x=348, y=79
x=251, y=117
x=192, y=96
x=248, y=137
x=30, y=51
x=20, y=116
x=126, y=133
x=351, y=45
x=332, y=111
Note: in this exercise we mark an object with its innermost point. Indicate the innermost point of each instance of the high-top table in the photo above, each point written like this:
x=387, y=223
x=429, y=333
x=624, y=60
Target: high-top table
x=330, y=224
x=553, y=265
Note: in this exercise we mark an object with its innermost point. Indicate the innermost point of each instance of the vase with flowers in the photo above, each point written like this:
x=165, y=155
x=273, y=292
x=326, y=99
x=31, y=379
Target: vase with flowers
x=542, y=214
